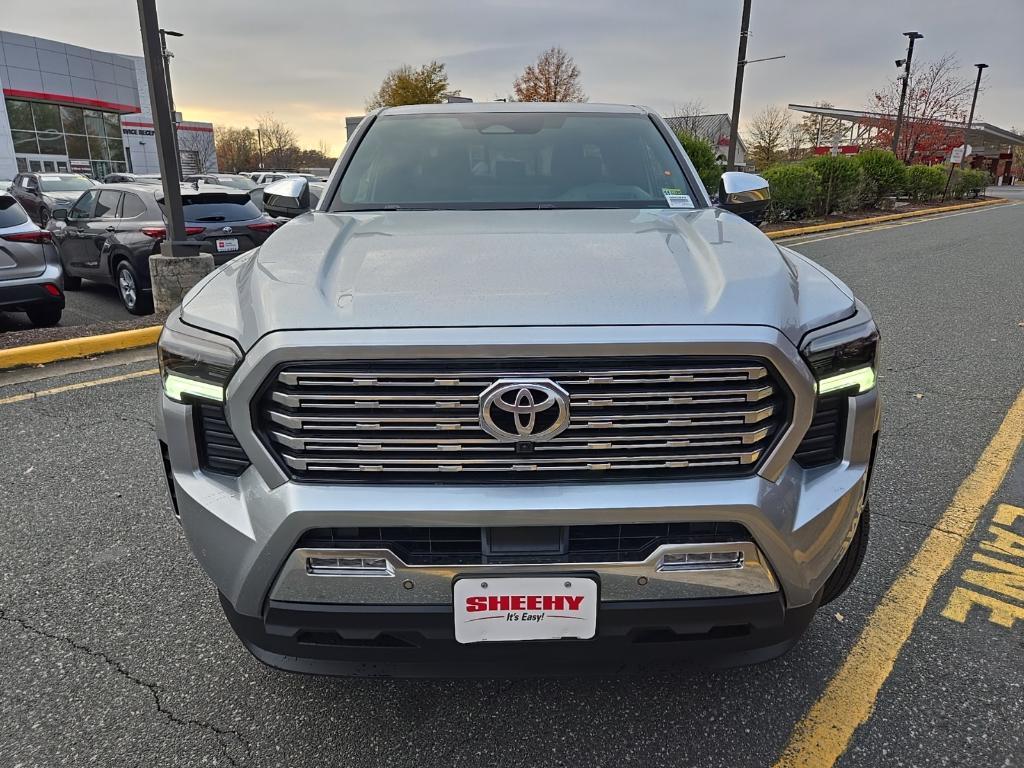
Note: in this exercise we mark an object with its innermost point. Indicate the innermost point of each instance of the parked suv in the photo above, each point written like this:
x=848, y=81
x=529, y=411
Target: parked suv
x=111, y=231
x=516, y=398
x=42, y=193
x=30, y=272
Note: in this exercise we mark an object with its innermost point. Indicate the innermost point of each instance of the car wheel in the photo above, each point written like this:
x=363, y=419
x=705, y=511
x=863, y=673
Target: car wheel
x=44, y=215
x=844, y=574
x=72, y=282
x=127, y=281
x=44, y=316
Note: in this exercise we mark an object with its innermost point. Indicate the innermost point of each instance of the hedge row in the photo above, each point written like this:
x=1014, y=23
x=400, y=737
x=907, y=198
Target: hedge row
x=826, y=184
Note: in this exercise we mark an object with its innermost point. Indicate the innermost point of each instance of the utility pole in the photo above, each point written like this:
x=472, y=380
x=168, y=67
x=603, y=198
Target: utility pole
x=903, y=91
x=179, y=265
x=967, y=127
x=737, y=91
x=167, y=56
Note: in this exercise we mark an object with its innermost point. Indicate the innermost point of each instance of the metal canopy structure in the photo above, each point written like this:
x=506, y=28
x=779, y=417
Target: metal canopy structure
x=863, y=126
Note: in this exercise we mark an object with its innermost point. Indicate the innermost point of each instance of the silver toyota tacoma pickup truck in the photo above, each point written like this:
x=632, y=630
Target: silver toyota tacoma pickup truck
x=512, y=395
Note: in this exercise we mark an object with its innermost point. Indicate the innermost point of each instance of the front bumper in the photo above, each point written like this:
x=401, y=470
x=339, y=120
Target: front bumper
x=244, y=530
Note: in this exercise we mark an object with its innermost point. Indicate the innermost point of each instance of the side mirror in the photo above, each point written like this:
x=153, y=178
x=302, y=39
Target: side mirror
x=744, y=194
x=287, y=198
x=60, y=214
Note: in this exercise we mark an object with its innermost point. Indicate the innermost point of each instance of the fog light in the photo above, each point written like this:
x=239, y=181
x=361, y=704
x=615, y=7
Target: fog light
x=700, y=561
x=349, y=566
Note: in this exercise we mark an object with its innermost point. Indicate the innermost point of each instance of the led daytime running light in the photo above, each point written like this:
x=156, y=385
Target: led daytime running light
x=861, y=378
x=175, y=386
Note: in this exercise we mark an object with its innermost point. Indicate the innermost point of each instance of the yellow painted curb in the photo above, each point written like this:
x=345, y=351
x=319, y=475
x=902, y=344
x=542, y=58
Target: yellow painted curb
x=66, y=349
x=815, y=228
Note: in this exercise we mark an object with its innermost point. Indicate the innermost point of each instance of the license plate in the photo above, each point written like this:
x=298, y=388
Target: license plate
x=227, y=244
x=529, y=608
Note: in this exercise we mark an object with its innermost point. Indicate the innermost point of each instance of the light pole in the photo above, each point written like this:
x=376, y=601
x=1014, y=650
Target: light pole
x=737, y=92
x=903, y=91
x=967, y=126
x=167, y=56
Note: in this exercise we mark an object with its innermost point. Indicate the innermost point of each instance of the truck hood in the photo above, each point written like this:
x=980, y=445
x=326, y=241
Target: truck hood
x=513, y=268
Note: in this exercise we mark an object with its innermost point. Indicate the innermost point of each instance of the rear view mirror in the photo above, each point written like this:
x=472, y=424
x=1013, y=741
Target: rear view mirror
x=287, y=198
x=745, y=194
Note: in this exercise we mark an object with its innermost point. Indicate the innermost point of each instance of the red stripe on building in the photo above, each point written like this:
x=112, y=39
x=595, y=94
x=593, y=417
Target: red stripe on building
x=108, y=106
x=181, y=126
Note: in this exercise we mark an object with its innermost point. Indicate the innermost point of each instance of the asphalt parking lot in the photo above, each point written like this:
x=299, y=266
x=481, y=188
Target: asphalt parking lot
x=116, y=652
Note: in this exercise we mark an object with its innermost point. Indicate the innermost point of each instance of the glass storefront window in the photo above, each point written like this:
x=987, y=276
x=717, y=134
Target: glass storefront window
x=115, y=149
x=51, y=143
x=112, y=124
x=20, y=115
x=47, y=118
x=97, y=148
x=93, y=122
x=25, y=142
x=78, y=147
x=73, y=120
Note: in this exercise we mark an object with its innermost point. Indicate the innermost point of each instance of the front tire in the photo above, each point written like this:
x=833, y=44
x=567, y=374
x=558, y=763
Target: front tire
x=127, y=281
x=45, y=316
x=844, y=574
x=44, y=215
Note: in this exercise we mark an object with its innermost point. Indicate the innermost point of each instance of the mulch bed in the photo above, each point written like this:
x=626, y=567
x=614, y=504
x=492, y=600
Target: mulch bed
x=836, y=218
x=10, y=339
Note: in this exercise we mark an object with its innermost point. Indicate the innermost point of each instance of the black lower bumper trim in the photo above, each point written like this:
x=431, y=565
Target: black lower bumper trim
x=419, y=641
x=13, y=297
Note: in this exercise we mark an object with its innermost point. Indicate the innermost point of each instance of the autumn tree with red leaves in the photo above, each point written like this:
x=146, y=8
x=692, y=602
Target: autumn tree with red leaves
x=553, y=77
x=936, y=96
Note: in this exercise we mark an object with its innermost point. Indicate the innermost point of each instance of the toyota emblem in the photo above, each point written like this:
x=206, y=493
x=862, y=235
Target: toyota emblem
x=524, y=410
x=227, y=230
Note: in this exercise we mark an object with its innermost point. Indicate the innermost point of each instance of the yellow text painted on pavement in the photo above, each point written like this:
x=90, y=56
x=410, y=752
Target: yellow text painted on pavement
x=994, y=584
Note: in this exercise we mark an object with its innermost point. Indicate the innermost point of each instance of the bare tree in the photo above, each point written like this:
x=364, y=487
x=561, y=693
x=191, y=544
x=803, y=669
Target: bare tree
x=553, y=77
x=687, y=116
x=236, y=148
x=324, y=147
x=769, y=131
x=277, y=142
x=936, y=95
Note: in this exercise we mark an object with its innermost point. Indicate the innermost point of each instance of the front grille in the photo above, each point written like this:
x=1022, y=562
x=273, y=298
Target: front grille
x=823, y=443
x=630, y=542
x=418, y=420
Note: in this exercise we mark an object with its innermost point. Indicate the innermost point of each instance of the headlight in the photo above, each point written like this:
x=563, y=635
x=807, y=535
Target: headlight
x=193, y=364
x=846, y=359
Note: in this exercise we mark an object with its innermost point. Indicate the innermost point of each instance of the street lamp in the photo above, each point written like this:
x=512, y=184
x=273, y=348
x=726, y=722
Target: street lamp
x=167, y=56
x=737, y=93
x=967, y=126
x=903, y=92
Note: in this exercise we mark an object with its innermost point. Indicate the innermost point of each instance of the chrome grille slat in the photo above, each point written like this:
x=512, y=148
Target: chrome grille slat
x=636, y=418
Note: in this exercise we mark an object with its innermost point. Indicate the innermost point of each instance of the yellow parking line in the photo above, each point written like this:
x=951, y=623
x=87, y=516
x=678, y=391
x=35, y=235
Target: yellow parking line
x=894, y=224
x=79, y=385
x=824, y=733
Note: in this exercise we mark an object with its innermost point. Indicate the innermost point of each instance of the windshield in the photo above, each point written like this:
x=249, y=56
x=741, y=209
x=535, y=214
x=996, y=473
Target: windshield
x=64, y=183
x=513, y=160
x=218, y=207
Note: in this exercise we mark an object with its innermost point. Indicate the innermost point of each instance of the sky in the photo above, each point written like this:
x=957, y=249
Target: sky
x=311, y=63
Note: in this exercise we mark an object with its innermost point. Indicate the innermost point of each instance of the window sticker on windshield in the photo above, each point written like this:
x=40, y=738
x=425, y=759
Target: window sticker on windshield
x=675, y=198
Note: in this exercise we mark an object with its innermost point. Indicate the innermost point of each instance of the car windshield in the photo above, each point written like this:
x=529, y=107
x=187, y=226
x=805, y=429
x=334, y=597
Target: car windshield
x=68, y=183
x=237, y=182
x=513, y=160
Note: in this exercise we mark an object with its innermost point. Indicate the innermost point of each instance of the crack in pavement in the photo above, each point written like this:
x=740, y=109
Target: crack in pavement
x=223, y=735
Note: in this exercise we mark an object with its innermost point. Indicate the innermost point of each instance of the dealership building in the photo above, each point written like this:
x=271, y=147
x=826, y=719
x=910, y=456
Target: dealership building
x=67, y=108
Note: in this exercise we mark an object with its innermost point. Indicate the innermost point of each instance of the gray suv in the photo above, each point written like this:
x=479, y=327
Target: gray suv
x=31, y=279
x=517, y=398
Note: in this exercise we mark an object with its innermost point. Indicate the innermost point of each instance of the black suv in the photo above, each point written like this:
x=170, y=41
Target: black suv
x=110, y=232
x=42, y=193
